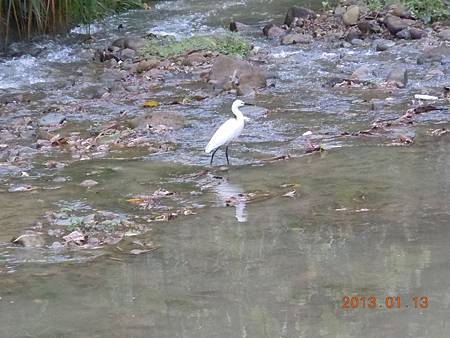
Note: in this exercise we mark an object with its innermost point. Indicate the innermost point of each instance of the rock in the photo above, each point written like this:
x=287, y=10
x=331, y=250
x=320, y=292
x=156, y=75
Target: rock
x=369, y=26
x=249, y=82
x=404, y=34
x=298, y=12
x=236, y=26
x=129, y=42
x=293, y=38
x=194, y=59
x=357, y=42
x=171, y=120
x=339, y=11
x=416, y=33
x=127, y=53
x=398, y=76
x=445, y=34
x=362, y=73
x=272, y=31
x=145, y=65
x=88, y=183
x=239, y=72
x=383, y=44
x=437, y=54
x=400, y=10
x=30, y=239
x=52, y=119
x=395, y=24
x=353, y=33
x=351, y=16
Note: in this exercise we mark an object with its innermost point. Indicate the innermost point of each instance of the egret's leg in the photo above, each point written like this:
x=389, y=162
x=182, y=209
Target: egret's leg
x=226, y=154
x=212, y=156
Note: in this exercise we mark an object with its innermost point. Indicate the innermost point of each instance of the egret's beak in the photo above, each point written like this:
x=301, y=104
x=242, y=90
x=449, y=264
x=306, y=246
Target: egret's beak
x=248, y=104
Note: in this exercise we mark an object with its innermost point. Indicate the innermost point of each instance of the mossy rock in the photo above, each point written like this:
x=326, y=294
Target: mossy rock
x=167, y=46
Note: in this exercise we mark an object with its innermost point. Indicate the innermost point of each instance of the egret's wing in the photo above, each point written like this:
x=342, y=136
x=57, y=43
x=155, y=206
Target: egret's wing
x=225, y=134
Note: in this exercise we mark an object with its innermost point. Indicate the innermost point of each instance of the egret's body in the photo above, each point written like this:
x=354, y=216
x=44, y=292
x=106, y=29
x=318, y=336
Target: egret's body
x=228, y=131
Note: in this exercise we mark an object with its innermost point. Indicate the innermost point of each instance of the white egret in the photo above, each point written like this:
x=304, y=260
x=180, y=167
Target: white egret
x=228, y=131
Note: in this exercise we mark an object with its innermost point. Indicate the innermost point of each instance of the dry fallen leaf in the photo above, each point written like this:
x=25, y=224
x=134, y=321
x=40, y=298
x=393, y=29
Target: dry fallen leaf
x=150, y=104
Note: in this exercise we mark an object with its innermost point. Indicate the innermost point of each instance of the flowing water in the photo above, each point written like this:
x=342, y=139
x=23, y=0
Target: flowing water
x=370, y=217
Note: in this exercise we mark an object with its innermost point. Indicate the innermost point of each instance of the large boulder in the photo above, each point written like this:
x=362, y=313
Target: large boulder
x=298, y=12
x=240, y=74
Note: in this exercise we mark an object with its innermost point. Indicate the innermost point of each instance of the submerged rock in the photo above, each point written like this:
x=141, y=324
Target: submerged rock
x=298, y=12
x=30, y=239
x=171, y=120
x=52, y=119
x=351, y=16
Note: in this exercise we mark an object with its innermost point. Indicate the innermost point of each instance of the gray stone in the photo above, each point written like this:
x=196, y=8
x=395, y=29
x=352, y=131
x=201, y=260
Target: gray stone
x=416, y=33
x=236, y=26
x=339, y=11
x=52, y=119
x=357, y=42
x=127, y=53
x=400, y=10
x=395, y=24
x=444, y=34
x=383, y=44
x=240, y=73
x=272, y=31
x=298, y=12
x=398, y=76
x=437, y=54
x=351, y=16
x=404, y=34
x=129, y=42
x=362, y=73
x=294, y=38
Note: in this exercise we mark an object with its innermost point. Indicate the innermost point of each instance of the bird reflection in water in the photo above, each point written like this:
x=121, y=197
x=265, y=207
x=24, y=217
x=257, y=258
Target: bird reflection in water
x=232, y=195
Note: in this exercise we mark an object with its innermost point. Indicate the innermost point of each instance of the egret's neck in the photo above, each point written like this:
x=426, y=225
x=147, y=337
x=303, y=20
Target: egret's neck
x=237, y=113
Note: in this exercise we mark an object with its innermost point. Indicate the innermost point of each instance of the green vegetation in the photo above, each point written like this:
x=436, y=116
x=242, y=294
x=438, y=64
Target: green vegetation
x=427, y=10
x=23, y=18
x=230, y=44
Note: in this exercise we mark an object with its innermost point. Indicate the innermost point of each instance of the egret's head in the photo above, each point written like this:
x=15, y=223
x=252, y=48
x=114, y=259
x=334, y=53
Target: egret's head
x=238, y=103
